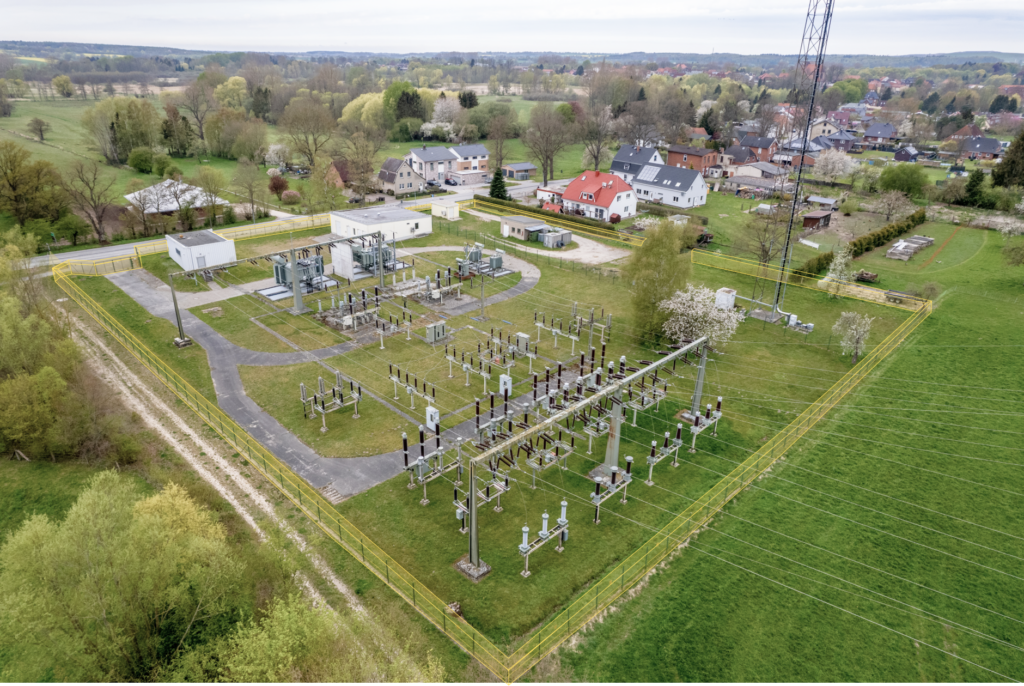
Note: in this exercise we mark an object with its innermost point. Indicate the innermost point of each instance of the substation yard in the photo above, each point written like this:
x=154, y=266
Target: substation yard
x=760, y=375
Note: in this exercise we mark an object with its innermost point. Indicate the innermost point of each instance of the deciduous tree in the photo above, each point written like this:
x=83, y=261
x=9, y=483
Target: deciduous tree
x=197, y=99
x=38, y=128
x=654, y=272
x=248, y=182
x=546, y=136
x=833, y=164
x=893, y=203
x=89, y=191
x=62, y=86
x=212, y=184
x=853, y=330
x=309, y=125
x=28, y=189
x=692, y=314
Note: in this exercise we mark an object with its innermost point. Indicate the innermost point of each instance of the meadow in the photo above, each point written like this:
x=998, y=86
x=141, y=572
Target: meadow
x=893, y=530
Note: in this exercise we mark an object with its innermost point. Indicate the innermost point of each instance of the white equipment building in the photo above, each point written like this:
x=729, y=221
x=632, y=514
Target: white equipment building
x=200, y=250
x=397, y=224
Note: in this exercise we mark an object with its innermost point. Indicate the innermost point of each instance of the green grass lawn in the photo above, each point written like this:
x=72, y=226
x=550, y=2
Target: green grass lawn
x=157, y=334
x=751, y=367
x=234, y=323
x=925, y=450
x=276, y=390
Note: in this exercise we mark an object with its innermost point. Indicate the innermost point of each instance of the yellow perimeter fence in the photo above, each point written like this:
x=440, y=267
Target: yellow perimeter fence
x=575, y=227
x=847, y=289
x=599, y=596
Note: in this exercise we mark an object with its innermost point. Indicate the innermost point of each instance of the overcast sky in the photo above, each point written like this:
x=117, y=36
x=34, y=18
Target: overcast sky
x=743, y=26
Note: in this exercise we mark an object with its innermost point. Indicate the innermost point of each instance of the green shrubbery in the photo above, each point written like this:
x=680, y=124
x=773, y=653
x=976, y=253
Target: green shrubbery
x=817, y=265
x=141, y=160
x=887, y=233
x=556, y=215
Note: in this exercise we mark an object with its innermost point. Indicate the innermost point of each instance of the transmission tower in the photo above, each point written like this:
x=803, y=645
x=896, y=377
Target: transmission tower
x=809, y=67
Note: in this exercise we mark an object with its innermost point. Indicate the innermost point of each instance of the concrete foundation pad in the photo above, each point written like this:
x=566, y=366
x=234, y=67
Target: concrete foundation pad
x=474, y=574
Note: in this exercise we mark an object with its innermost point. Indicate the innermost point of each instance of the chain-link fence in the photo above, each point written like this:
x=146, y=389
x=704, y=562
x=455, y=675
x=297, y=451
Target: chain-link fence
x=598, y=597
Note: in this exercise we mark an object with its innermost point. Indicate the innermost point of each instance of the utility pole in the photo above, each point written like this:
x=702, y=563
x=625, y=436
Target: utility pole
x=177, y=313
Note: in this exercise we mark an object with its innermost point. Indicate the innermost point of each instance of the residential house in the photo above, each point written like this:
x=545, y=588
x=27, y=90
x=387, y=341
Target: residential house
x=880, y=133
x=689, y=157
x=981, y=148
x=965, y=132
x=756, y=184
x=396, y=177
x=697, y=133
x=857, y=108
x=840, y=117
x=599, y=196
x=1012, y=90
x=630, y=159
x=907, y=154
x=668, y=185
x=872, y=98
x=762, y=147
x=823, y=126
x=433, y=164
x=736, y=156
x=470, y=164
x=840, y=140
x=520, y=171
x=337, y=173
x=1004, y=119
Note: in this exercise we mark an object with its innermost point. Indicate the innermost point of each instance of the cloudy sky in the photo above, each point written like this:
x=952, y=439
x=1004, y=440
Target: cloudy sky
x=741, y=26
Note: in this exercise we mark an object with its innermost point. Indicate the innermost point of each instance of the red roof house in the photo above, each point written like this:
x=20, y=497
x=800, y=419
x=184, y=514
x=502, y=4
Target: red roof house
x=599, y=196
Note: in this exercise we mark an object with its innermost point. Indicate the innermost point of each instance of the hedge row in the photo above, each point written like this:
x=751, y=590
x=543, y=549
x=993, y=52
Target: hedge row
x=536, y=210
x=886, y=233
x=662, y=211
x=818, y=264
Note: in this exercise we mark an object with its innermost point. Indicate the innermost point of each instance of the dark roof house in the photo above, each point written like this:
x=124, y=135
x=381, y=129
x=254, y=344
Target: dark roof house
x=981, y=146
x=630, y=158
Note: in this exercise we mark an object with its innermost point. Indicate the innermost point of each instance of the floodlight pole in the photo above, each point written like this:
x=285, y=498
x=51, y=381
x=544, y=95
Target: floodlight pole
x=177, y=313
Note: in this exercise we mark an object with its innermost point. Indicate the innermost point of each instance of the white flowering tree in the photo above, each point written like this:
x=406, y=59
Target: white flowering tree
x=278, y=154
x=853, y=330
x=692, y=314
x=841, y=269
x=446, y=110
x=833, y=164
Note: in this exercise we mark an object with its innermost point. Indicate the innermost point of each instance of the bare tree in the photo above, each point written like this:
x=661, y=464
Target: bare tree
x=764, y=117
x=595, y=130
x=38, y=127
x=500, y=130
x=639, y=125
x=250, y=183
x=197, y=99
x=310, y=127
x=893, y=203
x=212, y=183
x=89, y=192
x=547, y=135
x=360, y=150
x=764, y=234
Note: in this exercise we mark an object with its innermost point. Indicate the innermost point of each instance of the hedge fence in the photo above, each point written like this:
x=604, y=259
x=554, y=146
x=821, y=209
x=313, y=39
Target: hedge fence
x=885, y=234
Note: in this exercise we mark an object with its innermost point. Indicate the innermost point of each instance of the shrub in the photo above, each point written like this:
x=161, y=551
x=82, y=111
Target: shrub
x=291, y=197
x=229, y=215
x=160, y=164
x=173, y=171
x=818, y=264
x=887, y=233
x=557, y=215
x=278, y=185
x=141, y=160
x=849, y=207
x=930, y=290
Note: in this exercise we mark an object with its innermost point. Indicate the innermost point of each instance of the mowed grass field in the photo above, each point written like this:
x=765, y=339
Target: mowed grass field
x=887, y=547
x=755, y=366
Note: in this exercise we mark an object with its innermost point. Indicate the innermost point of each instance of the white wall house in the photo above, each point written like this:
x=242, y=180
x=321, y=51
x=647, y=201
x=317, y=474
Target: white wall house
x=433, y=164
x=630, y=159
x=200, y=249
x=674, y=186
x=598, y=196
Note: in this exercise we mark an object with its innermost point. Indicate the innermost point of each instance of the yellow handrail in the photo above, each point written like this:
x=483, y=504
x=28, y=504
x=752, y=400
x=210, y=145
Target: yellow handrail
x=599, y=596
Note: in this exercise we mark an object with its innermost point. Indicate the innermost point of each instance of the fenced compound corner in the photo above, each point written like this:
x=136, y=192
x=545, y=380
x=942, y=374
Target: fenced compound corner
x=507, y=667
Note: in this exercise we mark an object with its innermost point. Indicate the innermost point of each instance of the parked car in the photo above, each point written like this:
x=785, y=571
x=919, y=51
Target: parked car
x=434, y=184
x=354, y=200
x=450, y=182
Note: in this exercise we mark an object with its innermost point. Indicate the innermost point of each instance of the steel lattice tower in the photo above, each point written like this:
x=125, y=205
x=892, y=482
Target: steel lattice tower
x=809, y=67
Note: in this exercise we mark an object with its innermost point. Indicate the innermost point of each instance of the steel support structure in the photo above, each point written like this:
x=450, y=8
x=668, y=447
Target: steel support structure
x=811, y=57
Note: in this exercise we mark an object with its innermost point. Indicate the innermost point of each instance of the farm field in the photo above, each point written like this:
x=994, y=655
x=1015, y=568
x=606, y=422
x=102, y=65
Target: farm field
x=892, y=530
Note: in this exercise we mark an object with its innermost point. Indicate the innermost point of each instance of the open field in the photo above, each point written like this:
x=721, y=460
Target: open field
x=900, y=512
